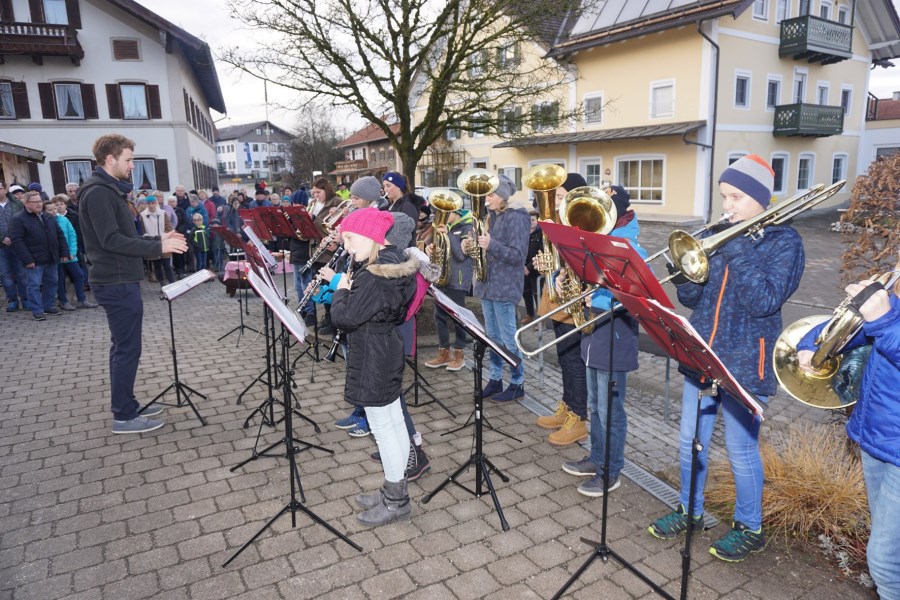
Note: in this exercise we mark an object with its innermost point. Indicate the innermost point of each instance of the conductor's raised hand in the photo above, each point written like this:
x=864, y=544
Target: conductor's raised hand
x=173, y=242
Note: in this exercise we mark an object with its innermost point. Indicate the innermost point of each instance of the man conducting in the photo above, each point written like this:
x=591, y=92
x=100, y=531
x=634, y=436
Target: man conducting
x=115, y=253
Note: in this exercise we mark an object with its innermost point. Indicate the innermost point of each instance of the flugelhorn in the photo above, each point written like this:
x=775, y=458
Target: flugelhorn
x=336, y=215
x=478, y=183
x=443, y=201
x=816, y=388
x=543, y=181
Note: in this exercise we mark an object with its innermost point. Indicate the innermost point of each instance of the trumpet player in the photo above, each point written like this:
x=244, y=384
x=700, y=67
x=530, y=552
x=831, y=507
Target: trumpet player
x=875, y=426
x=737, y=310
x=458, y=228
x=506, y=245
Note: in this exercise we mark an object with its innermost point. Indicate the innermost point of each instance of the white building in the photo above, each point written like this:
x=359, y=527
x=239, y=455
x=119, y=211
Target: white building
x=246, y=151
x=72, y=70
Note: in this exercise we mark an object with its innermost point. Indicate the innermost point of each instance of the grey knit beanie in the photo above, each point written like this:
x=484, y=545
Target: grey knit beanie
x=401, y=232
x=366, y=188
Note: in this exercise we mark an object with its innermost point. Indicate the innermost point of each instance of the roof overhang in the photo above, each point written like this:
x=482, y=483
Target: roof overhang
x=27, y=153
x=879, y=20
x=606, y=135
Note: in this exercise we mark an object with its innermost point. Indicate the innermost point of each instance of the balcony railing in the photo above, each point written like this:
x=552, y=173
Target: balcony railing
x=812, y=120
x=816, y=40
x=39, y=40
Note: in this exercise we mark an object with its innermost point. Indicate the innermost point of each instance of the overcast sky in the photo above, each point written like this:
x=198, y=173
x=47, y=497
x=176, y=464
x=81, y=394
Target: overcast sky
x=244, y=97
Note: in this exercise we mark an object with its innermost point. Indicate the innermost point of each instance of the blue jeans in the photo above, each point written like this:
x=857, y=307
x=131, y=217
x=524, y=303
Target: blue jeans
x=77, y=275
x=741, y=441
x=125, y=316
x=201, y=260
x=12, y=275
x=218, y=259
x=883, y=551
x=300, y=283
x=597, y=381
x=40, y=284
x=500, y=324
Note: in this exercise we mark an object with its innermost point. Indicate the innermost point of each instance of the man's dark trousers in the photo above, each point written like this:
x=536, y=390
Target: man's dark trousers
x=125, y=315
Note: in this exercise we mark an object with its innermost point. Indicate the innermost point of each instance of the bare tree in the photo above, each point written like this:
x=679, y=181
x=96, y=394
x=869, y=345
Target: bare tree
x=313, y=147
x=460, y=63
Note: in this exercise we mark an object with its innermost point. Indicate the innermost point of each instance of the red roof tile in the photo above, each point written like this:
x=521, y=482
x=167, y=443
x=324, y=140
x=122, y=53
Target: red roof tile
x=369, y=133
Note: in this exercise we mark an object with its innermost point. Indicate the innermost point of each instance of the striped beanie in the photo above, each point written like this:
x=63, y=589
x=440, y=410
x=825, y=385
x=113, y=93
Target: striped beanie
x=752, y=175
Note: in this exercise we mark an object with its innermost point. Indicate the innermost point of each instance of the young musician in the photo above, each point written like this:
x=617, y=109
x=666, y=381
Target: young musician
x=875, y=426
x=505, y=245
x=738, y=312
x=600, y=367
x=368, y=306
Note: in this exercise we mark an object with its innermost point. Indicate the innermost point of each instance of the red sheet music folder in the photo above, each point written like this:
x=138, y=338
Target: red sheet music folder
x=302, y=221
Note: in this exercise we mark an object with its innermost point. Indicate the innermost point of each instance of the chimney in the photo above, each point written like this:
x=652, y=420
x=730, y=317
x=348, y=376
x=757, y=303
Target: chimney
x=895, y=96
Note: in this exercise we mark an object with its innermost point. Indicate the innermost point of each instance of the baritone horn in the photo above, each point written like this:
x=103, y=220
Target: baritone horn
x=478, y=183
x=543, y=181
x=443, y=201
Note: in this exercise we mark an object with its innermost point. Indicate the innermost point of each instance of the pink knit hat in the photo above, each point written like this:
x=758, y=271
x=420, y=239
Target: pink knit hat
x=368, y=222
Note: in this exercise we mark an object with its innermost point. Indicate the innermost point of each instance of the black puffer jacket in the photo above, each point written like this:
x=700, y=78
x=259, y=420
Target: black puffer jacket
x=369, y=313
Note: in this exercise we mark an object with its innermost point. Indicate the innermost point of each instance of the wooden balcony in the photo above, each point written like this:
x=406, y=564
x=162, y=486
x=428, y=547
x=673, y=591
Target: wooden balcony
x=347, y=167
x=811, y=120
x=39, y=40
x=816, y=40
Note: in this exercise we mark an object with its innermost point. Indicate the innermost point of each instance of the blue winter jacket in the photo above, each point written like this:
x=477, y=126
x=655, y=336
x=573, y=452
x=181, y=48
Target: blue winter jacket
x=71, y=237
x=595, y=347
x=506, y=253
x=738, y=310
x=875, y=422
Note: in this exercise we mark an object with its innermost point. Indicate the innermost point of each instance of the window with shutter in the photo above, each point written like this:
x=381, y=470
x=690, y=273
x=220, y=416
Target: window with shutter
x=126, y=49
x=6, y=11
x=20, y=99
x=7, y=107
x=113, y=101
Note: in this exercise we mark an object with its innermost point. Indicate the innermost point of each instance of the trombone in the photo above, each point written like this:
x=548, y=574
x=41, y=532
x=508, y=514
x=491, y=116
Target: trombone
x=691, y=256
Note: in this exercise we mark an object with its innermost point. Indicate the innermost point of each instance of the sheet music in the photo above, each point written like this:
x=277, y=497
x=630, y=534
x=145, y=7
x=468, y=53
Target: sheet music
x=464, y=314
x=273, y=299
x=270, y=260
x=174, y=290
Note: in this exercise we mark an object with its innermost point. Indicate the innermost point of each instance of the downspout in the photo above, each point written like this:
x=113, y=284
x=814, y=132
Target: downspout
x=715, y=111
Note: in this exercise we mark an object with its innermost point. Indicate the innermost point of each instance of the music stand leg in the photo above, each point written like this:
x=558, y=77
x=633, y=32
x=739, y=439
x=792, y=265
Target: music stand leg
x=414, y=363
x=483, y=466
x=240, y=328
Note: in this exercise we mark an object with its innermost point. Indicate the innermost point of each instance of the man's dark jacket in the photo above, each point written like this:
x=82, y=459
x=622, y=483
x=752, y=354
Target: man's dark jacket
x=37, y=238
x=111, y=243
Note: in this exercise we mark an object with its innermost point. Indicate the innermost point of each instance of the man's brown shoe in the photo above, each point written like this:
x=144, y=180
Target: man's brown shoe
x=557, y=419
x=458, y=362
x=441, y=360
x=573, y=430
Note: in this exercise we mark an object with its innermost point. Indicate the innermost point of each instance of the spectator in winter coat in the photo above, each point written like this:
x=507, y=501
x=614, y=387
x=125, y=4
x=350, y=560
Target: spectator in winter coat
x=12, y=271
x=70, y=267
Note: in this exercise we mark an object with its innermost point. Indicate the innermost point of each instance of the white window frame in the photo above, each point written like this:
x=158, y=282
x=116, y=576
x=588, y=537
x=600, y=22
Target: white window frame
x=590, y=161
x=845, y=161
x=773, y=78
x=843, y=14
x=801, y=74
x=659, y=84
x=451, y=134
x=635, y=195
x=785, y=173
x=735, y=155
x=151, y=171
x=56, y=101
x=741, y=74
x=811, y=175
x=820, y=86
x=847, y=88
x=782, y=10
x=593, y=96
x=760, y=10
x=73, y=175
x=6, y=89
x=143, y=87
x=825, y=6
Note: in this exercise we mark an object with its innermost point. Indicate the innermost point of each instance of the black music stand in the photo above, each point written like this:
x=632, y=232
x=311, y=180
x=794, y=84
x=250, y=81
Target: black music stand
x=483, y=465
x=290, y=325
x=608, y=260
x=183, y=391
x=414, y=385
x=235, y=241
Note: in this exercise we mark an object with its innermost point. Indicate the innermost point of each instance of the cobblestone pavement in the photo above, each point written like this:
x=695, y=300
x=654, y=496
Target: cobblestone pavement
x=90, y=515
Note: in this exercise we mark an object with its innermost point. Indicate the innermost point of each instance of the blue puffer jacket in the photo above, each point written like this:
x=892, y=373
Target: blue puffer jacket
x=595, y=347
x=506, y=253
x=738, y=310
x=875, y=422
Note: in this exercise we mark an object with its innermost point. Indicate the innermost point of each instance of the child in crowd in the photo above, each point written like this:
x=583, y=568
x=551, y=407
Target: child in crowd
x=217, y=244
x=68, y=266
x=200, y=241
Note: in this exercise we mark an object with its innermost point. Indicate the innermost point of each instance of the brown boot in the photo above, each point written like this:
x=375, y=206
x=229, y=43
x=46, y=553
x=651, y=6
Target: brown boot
x=152, y=278
x=573, y=430
x=441, y=360
x=557, y=419
x=458, y=362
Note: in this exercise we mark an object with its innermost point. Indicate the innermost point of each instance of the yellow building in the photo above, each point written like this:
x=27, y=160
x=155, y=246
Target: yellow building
x=671, y=96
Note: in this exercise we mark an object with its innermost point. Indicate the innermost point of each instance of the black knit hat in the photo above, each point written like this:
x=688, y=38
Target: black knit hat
x=573, y=181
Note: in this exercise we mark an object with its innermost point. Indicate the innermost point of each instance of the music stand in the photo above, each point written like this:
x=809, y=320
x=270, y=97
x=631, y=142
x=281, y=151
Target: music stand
x=414, y=385
x=483, y=465
x=235, y=241
x=183, y=391
x=608, y=260
x=290, y=324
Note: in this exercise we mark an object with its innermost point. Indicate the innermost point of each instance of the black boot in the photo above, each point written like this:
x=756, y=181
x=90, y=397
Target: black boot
x=393, y=505
x=418, y=464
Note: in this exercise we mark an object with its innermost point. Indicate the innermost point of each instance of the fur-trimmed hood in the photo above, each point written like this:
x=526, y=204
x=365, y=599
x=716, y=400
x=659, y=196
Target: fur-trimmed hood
x=430, y=271
x=395, y=270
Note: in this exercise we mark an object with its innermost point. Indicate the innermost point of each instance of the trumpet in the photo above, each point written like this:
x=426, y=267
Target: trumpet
x=828, y=362
x=478, y=183
x=336, y=215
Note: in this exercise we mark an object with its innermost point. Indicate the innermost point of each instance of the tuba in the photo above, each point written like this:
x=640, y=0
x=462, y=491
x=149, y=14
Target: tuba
x=443, y=201
x=588, y=209
x=543, y=181
x=478, y=183
x=834, y=382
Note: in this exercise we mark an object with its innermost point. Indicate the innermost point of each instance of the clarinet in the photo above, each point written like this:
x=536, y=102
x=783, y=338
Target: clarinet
x=339, y=334
x=317, y=283
x=320, y=249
